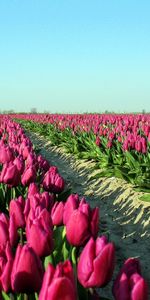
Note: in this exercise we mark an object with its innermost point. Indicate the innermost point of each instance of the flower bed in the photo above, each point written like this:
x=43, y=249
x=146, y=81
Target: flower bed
x=49, y=243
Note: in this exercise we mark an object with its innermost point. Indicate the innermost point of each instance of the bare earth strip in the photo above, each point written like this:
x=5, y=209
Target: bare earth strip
x=122, y=215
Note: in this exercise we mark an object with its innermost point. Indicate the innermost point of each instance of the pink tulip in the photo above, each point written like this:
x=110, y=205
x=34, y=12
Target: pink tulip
x=96, y=263
x=71, y=204
x=129, y=284
x=57, y=213
x=16, y=208
x=28, y=176
x=58, y=283
x=86, y=221
x=40, y=229
x=6, y=263
x=19, y=162
x=10, y=174
x=6, y=155
x=53, y=182
x=27, y=271
x=4, y=233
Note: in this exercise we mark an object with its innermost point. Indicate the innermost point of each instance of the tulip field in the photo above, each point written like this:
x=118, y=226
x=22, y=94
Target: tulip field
x=120, y=144
x=50, y=245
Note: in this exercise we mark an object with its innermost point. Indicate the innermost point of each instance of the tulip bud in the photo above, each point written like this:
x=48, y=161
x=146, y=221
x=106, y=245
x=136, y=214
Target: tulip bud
x=59, y=283
x=6, y=262
x=16, y=208
x=19, y=162
x=40, y=230
x=27, y=271
x=28, y=176
x=96, y=263
x=86, y=221
x=10, y=174
x=71, y=204
x=129, y=283
x=32, y=189
x=4, y=233
x=53, y=182
x=6, y=154
x=57, y=213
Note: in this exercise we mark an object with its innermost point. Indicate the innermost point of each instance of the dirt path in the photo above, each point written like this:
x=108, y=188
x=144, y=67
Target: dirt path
x=126, y=219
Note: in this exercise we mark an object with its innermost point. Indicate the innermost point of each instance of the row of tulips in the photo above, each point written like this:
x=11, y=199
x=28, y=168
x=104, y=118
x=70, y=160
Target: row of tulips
x=119, y=144
x=49, y=242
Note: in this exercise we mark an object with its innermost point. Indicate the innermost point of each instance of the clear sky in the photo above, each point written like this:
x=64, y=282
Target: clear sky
x=75, y=55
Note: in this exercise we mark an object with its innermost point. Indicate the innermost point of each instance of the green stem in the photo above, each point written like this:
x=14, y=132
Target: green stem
x=21, y=236
x=12, y=296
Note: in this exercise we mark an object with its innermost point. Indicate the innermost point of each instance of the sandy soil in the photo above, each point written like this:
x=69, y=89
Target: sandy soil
x=123, y=216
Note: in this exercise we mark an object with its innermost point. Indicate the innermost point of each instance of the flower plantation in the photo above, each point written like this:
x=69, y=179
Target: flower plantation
x=119, y=144
x=50, y=247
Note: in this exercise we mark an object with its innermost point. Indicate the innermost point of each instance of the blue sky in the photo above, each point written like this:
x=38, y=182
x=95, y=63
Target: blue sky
x=75, y=56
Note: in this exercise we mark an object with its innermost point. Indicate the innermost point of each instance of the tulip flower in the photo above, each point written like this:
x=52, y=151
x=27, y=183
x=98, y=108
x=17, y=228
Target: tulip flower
x=129, y=284
x=6, y=154
x=6, y=263
x=53, y=182
x=59, y=283
x=96, y=263
x=45, y=200
x=71, y=204
x=10, y=174
x=27, y=271
x=32, y=189
x=4, y=233
x=13, y=233
x=98, y=141
x=39, y=229
x=16, y=208
x=26, y=151
x=57, y=213
x=19, y=162
x=86, y=221
x=43, y=163
x=28, y=176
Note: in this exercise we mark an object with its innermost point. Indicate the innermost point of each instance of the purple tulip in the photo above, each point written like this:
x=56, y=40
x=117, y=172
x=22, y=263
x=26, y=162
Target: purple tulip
x=39, y=229
x=16, y=208
x=19, y=162
x=28, y=176
x=13, y=233
x=53, y=182
x=4, y=232
x=27, y=271
x=43, y=163
x=6, y=154
x=32, y=189
x=96, y=263
x=129, y=284
x=86, y=221
x=71, y=204
x=57, y=213
x=58, y=283
x=6, y=262
x=10, y=174
x=45, y=200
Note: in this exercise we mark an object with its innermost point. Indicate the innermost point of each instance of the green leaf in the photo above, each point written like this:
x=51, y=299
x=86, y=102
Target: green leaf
x=47, y=260
x=5, y=296
x=64, y=195
x=65, y=251
x=145, y=198
x=36, y=296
